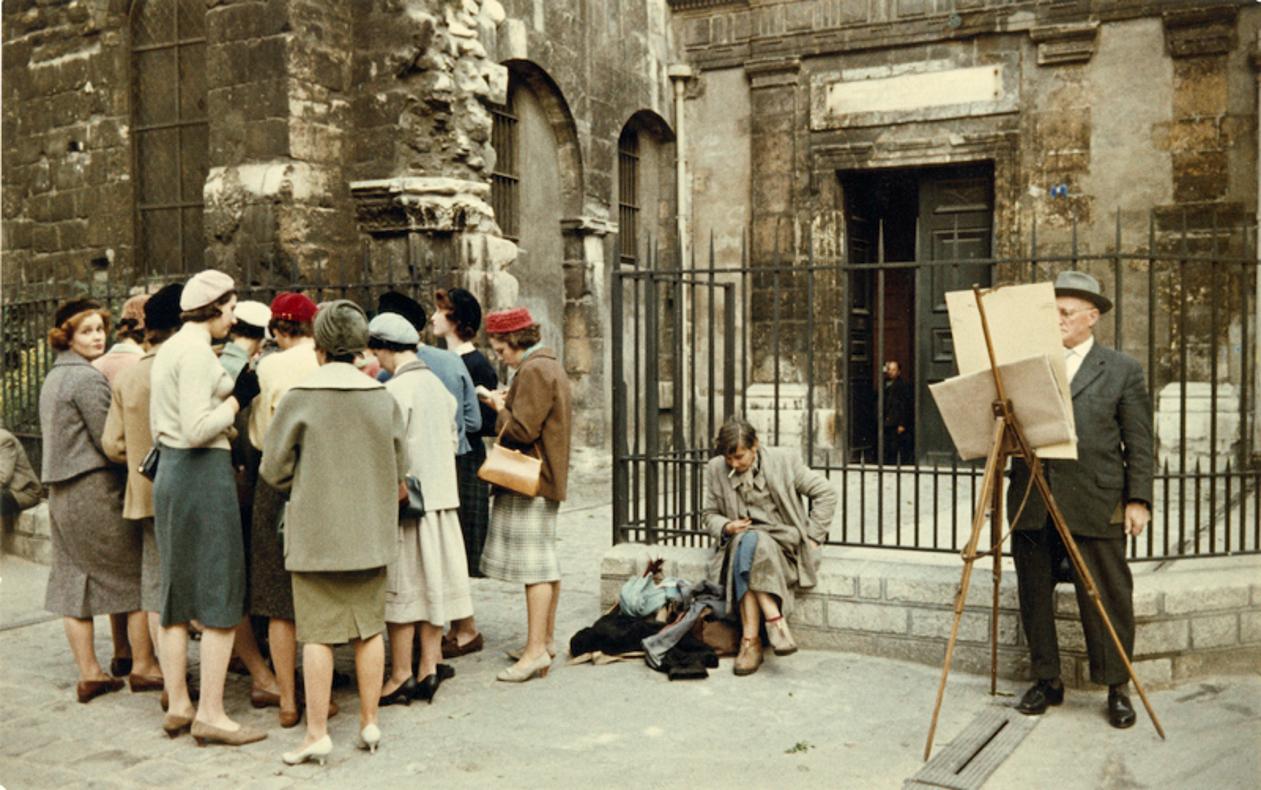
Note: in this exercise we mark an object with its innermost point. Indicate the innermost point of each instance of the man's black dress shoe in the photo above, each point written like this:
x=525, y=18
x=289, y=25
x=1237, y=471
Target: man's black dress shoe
x=1120, y=712
x=1039, y=695
x=401, y=695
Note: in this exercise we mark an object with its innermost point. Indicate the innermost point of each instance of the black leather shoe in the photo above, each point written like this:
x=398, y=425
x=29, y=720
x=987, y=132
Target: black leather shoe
x=445, y=672
x=401, y=695
x=1040, y=695
x=1120, y=712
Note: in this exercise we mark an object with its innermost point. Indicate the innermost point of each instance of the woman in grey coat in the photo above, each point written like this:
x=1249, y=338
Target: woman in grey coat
x=338, y=431
x=96, y=554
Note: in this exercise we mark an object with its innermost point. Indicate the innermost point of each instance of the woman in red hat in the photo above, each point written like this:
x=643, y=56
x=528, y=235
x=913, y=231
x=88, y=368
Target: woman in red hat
x=534, y=416
x=271, y=592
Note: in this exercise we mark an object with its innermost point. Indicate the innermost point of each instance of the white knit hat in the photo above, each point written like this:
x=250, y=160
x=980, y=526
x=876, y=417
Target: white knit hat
x=253, y=313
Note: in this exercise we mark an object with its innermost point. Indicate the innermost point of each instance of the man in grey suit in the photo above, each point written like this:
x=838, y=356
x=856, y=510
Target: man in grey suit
x=1104, y=495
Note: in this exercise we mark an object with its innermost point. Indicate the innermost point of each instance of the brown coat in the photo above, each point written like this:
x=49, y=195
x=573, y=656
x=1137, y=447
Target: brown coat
x=127, y=438
x=16, y=473
x=538, y=415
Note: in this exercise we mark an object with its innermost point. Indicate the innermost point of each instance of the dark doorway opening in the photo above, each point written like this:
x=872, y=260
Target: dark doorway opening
x=928, y=216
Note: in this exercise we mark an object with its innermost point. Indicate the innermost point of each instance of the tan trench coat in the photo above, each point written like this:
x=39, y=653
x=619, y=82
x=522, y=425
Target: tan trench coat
x=787, y=560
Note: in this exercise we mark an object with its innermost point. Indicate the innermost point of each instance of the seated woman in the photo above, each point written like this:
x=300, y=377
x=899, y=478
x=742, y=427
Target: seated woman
x=768, y=542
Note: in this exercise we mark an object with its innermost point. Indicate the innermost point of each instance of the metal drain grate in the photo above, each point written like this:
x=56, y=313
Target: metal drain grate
x=967, y=761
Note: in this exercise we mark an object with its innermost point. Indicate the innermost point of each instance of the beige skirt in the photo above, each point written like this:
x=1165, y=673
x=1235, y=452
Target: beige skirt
x=428, y=582
x=335, y=607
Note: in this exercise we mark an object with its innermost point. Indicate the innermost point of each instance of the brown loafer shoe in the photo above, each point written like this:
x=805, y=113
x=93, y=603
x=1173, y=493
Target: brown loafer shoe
x=290, y=718
x=142, y=683
x=205, y=733
x=749, y=657
x=261, y=698
x=89, y=690
x=451, y=648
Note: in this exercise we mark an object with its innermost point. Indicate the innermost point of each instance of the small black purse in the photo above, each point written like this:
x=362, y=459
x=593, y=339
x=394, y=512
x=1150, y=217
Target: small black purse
x=414, y=505
x=149, y=466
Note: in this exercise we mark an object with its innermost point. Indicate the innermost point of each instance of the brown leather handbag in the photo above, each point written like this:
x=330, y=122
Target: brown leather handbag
x=512, y=469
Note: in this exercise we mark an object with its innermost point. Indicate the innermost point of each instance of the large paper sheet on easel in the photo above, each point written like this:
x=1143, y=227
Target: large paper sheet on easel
x=1023, y=322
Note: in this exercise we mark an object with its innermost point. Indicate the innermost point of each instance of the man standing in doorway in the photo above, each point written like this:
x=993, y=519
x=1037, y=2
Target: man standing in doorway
x=1104, y=495
x=899, y=416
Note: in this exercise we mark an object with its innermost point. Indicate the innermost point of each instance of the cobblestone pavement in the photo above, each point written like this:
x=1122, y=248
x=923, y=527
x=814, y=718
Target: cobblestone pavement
x=816, y=719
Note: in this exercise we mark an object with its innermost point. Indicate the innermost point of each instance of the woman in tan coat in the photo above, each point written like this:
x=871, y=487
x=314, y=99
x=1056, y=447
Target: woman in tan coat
x=535, y=415
x=334, y=432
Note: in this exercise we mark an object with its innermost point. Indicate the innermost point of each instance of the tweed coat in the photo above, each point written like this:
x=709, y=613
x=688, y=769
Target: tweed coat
x=127, y=437
x=73, y=405
x=1115, y=457
x=538, y=413
x=337, y=444
x=788, y=479
x=16, y=474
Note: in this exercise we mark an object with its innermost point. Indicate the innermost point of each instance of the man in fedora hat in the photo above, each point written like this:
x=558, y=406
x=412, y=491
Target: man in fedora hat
x=1104, y=495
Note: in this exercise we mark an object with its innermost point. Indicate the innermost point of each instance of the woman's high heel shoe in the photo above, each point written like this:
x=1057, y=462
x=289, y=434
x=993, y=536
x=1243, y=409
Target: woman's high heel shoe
x=520, y=674
x=515, y=655
x=427, y=688
x=318, y=751
x=370, y=738
x=402, y=695
x=206, y=733
x=173, y=724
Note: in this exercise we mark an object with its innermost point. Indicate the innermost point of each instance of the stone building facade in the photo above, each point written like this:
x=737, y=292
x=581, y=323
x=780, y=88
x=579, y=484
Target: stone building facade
x=972, y=129
x=346, y=147
x=523, y=148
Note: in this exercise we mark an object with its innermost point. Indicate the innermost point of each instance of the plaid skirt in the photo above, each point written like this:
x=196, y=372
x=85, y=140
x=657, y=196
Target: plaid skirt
x=521, y=542
x=474, y=504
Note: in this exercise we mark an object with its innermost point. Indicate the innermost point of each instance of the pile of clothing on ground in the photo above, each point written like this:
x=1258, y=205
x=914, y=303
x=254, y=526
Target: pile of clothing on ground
x=677, y=627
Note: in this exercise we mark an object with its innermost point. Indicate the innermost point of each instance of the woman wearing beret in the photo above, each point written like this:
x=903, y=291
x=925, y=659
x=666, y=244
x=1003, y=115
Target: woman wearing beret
x=271, y=590
x=196, y=521
x=95, y=552
x=127, y=440
x=428, y=582
x=535, y=416
x=338, y=431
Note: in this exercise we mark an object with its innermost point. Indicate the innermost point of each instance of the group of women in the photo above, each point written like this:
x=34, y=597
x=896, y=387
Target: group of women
x=298, y=490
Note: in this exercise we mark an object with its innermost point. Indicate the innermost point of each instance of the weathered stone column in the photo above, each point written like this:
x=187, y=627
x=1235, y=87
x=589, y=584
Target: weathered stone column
x=277, y=209
x=586, y=325
x=422, y=158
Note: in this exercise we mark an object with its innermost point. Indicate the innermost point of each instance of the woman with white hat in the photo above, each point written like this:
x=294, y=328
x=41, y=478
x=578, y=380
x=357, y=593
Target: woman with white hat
x=196, y=521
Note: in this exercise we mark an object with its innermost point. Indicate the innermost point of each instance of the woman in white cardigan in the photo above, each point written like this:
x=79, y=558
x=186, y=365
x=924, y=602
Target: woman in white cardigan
x=428, y=583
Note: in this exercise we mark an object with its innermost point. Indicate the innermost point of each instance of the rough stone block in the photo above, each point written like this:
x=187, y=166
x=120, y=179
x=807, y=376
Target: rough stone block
x=1161, y=636
x=1146, y=604
x=810, y=610
x=1066, y=601
x=1205, y=599
x=1154, y=672
x=868, y=617
x=974, y=627
x=1250, y=627
x=837, y=585
x=1070, y=634
x=870, y=586
x=1216, y=662
x=1215, y=631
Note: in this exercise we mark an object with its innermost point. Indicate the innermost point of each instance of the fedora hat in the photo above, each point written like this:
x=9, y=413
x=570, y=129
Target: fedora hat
x=1083, y=286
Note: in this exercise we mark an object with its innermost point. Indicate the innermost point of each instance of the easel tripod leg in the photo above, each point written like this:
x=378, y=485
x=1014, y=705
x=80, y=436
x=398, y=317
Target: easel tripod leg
x=969, y=556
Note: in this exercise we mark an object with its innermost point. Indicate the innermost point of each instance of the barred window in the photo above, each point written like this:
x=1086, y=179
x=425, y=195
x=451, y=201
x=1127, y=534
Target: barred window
x=505, y=180
x=170, y=132
x=627, y=196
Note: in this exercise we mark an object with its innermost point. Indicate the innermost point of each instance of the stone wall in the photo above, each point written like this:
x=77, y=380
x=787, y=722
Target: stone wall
x=1081, y=152
x=1191, y=621
x=67, y=188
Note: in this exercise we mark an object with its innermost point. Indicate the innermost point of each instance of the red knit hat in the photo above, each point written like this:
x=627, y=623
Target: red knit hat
x=504, y=321
x=293, y=306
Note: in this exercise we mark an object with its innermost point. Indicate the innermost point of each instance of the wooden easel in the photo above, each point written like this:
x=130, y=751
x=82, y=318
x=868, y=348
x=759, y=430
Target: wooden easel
x=1009, y=441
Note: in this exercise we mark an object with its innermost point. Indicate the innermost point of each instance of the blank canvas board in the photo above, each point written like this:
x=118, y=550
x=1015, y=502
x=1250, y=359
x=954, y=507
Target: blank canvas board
x=1024, y=322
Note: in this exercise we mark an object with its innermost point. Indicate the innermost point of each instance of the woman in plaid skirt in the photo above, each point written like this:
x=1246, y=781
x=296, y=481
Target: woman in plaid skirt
x=535, y=415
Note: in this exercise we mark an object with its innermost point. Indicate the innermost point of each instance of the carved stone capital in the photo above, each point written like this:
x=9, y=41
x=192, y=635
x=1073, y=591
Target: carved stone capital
x=1200, y=31
x=423, y=203
x=1061, y=44
x=588, y=225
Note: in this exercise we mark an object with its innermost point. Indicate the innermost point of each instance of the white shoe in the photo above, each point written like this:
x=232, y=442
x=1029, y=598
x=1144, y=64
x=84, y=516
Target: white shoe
x=370, y=738
x=318, y=751
x=516, y=654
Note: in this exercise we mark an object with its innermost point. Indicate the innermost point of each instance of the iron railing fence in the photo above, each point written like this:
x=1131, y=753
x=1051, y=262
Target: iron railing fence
x=788, y=342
